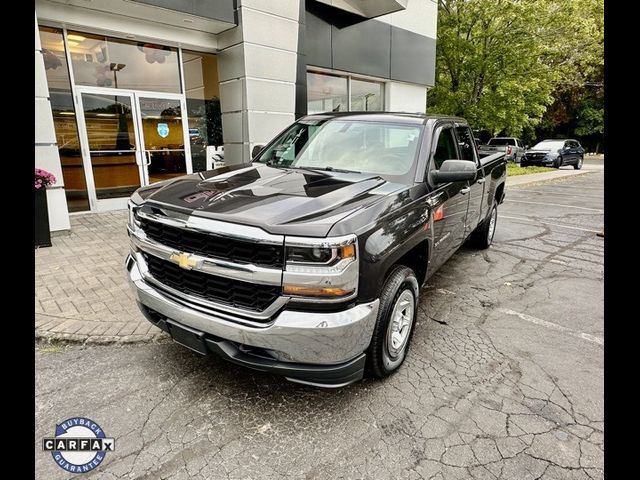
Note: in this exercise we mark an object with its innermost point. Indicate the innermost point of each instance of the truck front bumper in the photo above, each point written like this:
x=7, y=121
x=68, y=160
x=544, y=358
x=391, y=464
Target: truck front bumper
x=318, y=348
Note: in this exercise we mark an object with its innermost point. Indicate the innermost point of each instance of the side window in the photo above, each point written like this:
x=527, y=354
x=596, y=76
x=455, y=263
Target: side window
x=445, y=148
x=465, y=141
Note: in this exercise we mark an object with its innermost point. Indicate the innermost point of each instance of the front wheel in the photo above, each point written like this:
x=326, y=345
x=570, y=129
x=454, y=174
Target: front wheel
x=482, y=236
x=578, y=165
x=558, y=162
x=394, y=326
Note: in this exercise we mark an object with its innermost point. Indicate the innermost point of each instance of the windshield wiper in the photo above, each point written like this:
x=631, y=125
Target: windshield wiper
x=331, y=169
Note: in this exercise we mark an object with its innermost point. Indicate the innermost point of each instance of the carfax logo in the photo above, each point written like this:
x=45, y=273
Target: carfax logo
x=79, y=445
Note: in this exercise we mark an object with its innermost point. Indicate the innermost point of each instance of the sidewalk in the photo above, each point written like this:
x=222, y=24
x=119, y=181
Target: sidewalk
x=553, y=175
x=82, y=292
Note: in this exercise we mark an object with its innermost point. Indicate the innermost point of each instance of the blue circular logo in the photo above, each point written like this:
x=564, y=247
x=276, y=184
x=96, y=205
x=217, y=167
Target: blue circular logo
x=79, y=445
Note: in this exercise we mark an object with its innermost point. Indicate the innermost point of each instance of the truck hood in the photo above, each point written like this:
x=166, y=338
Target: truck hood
x=278, y=200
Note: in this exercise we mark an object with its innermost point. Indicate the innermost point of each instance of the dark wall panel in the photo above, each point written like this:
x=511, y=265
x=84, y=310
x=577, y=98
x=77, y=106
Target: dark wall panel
x=318, y=41
x=362, y=48
x=412, y=57
x=222, y=10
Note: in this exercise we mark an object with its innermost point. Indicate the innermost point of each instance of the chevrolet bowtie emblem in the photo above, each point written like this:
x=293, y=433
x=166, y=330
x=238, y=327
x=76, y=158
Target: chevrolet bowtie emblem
x=184, y=260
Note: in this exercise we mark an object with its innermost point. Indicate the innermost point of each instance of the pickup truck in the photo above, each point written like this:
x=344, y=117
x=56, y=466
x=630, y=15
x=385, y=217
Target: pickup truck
x=512, y=147
x=308, y=261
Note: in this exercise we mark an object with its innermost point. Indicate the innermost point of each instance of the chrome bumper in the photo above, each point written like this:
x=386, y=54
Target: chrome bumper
x=301, y=337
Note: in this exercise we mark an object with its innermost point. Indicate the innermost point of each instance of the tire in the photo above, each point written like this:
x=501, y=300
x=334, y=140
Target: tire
x=482, y=236
x=558, y=162
x=578, y=165
x=398, y=306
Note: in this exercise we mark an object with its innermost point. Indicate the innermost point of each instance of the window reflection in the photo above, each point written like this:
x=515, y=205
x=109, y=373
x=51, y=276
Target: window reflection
x=366, y=96
x=109, y=62
x=163, y=138
x=64, y=119
x=203, y=106
x=326, y=93
x=112, y=144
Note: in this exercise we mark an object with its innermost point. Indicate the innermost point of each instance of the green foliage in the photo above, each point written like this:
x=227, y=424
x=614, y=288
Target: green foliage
x=502, y=63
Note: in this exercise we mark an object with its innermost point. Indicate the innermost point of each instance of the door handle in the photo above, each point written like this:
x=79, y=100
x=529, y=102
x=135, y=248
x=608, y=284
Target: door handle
x=465, y=190
x=148, y=155
x=481, y=180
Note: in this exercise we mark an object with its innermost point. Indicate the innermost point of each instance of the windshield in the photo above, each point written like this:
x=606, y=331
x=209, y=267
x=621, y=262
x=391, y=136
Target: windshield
x=549, y=145
x=502, y=141
x=386, y=149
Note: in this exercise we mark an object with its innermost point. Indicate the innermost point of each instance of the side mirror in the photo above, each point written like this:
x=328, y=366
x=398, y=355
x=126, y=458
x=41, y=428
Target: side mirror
x=256, y=150
x=526, y=147
x=454, y=171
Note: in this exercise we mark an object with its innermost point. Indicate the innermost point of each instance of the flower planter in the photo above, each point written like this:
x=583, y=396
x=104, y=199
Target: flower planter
x=42, y=233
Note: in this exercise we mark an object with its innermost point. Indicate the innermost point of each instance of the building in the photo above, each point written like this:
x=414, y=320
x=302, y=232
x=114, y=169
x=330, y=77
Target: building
x=129, y=92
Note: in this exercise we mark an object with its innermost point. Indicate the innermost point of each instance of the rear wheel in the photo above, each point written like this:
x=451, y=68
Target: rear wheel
x=482, y=236
x=578, y=165
x=394, y=326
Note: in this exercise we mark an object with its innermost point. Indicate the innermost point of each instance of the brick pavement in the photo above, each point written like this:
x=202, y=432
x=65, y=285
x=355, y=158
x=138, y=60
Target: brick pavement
x=82, y=293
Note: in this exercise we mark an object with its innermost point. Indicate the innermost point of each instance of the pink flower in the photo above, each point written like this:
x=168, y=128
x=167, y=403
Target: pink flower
x=43, y=178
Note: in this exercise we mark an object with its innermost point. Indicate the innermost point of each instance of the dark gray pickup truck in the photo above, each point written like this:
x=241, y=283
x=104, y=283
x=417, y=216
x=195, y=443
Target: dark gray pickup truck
x=308, y=261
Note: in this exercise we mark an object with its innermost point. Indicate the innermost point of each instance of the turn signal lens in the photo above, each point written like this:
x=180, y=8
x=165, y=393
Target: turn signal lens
x=348, y=251
x=315, y=291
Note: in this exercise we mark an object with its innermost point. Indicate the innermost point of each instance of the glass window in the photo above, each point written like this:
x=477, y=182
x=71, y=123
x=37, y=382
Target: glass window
x=371, y=147
x=326, y=93
x=203, y=106
x=109, y=62
x=366, y=96
x=445, y=148
x=465, y=142
x=64, y=119
x=502, y=141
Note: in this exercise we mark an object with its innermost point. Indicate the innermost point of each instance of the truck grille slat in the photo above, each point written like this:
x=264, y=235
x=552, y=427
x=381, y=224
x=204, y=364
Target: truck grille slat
x=226, y=291
x=237, y=251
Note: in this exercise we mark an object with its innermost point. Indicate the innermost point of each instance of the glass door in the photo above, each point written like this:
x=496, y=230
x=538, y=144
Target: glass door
x=162, y=135
x=112, y=157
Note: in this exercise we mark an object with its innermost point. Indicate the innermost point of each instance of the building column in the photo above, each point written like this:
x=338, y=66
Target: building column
x=405, y=97
x=258, y=67
x=46, y=148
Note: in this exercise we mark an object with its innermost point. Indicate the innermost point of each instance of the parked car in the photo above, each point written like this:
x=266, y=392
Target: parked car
x=511, y=146
x=308, y=262
x=554, y=153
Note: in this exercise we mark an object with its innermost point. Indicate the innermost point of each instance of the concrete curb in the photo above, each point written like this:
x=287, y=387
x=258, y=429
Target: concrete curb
x=544, y=177
x=72, y=338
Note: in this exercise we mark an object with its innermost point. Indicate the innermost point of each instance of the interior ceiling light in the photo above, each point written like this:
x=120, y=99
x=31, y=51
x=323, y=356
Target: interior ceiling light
x=76, y=37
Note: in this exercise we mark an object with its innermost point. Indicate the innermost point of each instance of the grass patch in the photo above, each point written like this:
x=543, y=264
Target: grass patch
x=51, y=348
x=515, y=169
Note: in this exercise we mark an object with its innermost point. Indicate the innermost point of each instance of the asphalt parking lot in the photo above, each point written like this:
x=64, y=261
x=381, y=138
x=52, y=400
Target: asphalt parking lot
x=505, y=377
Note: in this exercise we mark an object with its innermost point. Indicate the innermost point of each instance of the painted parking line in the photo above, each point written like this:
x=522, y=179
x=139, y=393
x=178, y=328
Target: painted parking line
x=552, y=193
x=552, y=326
x=547, y=204
x=528, y=220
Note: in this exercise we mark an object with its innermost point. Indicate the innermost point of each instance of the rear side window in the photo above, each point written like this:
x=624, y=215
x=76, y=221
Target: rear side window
x=502, y=141
x=465, y=142
x=445, y=148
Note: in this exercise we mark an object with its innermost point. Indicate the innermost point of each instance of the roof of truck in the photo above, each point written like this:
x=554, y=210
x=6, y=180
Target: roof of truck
x=395, y=117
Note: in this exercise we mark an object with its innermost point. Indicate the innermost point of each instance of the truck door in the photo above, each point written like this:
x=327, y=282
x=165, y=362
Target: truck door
x=448, y=201
x=477, y=186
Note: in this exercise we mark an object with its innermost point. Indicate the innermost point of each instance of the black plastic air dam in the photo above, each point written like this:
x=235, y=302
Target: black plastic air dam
x=328, y=376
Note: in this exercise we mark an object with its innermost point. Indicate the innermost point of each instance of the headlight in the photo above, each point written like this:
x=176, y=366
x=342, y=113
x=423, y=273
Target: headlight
x=133, y=223
x=321, y=269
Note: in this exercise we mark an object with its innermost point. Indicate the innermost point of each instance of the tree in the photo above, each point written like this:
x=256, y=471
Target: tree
x=499, y=62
